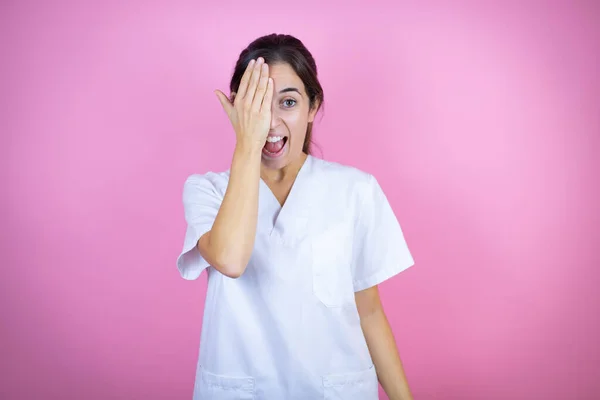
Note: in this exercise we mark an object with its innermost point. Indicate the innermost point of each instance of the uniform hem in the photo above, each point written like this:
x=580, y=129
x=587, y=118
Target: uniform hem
x=190, y=263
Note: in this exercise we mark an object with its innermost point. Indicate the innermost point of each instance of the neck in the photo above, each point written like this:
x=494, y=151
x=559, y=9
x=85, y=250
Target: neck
x=285, y=174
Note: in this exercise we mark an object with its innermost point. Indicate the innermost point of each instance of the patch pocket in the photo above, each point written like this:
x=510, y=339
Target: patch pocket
x=331, y=266
x=361, y=385
x=210, y=386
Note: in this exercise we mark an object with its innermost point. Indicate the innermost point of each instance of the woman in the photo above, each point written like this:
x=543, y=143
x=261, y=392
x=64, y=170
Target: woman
x=295, y=247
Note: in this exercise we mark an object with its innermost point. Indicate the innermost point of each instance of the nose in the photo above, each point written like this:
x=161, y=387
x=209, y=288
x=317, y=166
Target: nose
x=275, y=117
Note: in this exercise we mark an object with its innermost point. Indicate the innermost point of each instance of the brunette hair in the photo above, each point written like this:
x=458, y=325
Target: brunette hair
x=284, y=49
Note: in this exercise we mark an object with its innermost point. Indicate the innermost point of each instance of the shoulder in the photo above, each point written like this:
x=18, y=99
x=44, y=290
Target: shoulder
x=211, y=181
x=348, y=185
x=337, y=175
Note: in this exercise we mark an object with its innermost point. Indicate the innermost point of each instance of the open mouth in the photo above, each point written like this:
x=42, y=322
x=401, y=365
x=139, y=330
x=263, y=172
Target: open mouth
x=275, y=146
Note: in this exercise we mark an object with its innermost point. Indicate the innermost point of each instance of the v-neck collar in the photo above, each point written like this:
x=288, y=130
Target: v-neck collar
x=293, y=215
x=296, y=179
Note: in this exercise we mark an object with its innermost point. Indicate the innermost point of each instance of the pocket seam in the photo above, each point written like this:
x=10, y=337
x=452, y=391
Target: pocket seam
x=225, y=382
x=350, y=378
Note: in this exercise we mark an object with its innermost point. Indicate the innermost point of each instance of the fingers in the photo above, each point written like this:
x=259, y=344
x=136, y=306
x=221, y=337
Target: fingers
x=266, y=103
x=262, y=88
x=251, y=89
x=245, y=78
x=227, y=106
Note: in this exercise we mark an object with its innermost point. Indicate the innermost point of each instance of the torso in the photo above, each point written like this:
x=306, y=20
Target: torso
x=289, y=327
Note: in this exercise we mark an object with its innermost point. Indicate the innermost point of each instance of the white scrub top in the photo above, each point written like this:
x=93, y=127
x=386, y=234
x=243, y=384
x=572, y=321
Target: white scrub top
x=288, y=327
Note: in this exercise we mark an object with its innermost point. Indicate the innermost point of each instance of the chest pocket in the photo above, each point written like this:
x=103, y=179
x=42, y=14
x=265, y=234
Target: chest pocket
x=331, y=265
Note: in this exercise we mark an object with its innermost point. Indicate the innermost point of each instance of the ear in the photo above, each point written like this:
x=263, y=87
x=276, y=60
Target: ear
x=313, y=112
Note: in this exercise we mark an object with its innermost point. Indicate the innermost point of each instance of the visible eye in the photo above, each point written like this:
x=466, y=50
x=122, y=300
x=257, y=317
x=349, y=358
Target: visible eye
x=288, y=100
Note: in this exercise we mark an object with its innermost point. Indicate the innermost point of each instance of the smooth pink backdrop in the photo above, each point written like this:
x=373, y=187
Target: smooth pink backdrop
x=481, y=120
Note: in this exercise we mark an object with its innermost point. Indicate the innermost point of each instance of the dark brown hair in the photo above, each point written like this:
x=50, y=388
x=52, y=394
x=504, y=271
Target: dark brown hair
x=284, y=49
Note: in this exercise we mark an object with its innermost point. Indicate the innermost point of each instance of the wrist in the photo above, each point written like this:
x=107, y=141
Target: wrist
x=248, y=148
x=247, y=154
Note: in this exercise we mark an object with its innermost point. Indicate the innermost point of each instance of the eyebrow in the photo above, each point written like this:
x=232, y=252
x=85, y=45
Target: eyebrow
x=290, y=89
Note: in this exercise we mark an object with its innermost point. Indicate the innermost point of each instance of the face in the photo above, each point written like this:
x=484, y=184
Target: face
x=290, y=115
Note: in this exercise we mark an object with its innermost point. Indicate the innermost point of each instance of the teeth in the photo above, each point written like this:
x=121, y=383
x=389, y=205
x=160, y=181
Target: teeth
x=274, y=139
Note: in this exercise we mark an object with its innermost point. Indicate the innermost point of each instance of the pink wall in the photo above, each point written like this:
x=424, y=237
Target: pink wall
x=482, y=123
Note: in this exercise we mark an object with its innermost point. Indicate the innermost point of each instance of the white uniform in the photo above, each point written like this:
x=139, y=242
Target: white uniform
x=288, y=328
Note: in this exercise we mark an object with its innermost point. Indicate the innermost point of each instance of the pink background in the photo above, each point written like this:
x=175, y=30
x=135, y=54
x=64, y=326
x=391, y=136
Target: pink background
x=481, y=122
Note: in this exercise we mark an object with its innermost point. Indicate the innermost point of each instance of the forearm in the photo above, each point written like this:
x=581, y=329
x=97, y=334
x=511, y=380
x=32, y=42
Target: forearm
x=384, y=352
x=233, y=233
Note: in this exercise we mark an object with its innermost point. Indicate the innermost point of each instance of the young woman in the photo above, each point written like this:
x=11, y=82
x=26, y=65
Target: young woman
x=295, y=247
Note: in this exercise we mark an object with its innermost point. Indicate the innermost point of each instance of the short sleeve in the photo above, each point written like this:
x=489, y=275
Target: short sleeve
x=201, y=203
x=382, y=251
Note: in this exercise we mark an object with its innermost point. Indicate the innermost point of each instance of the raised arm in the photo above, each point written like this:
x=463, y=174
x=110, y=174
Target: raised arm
x=228, y=245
